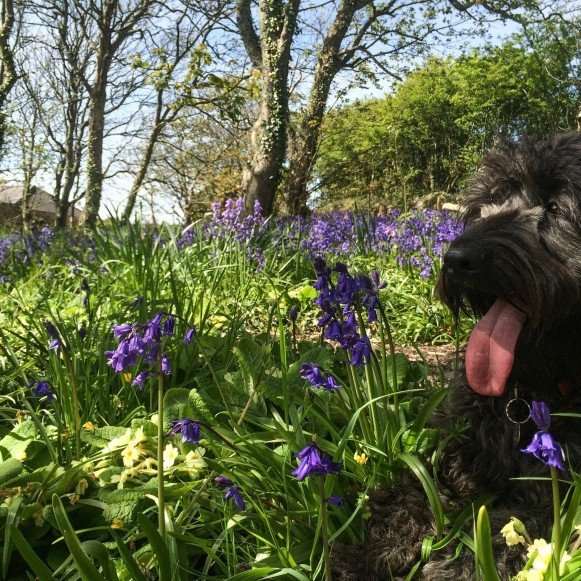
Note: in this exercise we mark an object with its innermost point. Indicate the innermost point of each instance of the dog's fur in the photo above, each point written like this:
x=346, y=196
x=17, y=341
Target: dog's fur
x=522, y=243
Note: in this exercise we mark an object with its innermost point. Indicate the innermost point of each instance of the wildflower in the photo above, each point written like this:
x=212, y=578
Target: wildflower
x=140, y=379
x=313, y=461
x=510, y=532
x=169, y=456
x=194, y=461
x=293, y=313
x=360, y=352
x=168, y=326
x=361, y=459
x=81, y=486
x=165, y=366
x=543, y=446
x=130, y=455
x=313, y=374
x=234, y=494
x=53, y=333
x=43, y=389
x=189, y=335
x=223, y=481
x=540, y=415
x=117, y=523
x=189, y=430
x=336, y=501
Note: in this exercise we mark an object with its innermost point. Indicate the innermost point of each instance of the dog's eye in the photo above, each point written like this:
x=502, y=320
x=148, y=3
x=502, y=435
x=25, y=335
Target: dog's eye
x=552, y=208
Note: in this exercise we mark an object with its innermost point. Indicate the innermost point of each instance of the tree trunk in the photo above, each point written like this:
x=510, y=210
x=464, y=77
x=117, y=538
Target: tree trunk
x=304, y=146
x=271, y=54
x=7, y=69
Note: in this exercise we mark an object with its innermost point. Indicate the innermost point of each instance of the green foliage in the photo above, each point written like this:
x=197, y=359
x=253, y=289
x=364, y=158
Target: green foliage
x=429, y=135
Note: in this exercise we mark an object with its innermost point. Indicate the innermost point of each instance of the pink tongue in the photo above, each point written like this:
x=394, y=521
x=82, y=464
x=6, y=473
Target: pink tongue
x=490, y=350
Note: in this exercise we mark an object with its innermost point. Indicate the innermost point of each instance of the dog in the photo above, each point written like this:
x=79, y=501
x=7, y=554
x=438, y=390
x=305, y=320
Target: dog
x=517, y=267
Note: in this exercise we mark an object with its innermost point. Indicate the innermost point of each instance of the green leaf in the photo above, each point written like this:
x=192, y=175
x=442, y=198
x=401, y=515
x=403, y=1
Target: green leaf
x=9, y=469
x=130, y=563
x=196, y=408
x=15, y=443
x=484, y=553
x=86, y=568
x=158, y=547
x=35, y=563
x=429, y=486
x=174, y=404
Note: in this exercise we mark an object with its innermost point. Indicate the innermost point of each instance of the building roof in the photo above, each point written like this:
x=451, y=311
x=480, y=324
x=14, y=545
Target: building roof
x=41, y=200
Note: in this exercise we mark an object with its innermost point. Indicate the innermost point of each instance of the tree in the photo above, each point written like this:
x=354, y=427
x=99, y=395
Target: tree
x=269, y=53
x=432, y=131
x=182, y=78
x=8, y=74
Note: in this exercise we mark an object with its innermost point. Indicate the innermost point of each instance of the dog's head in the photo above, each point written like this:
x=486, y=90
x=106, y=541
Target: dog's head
x=517, y=265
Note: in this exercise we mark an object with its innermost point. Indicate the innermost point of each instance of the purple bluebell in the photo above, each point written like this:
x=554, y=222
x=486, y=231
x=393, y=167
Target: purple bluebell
x=336, y=500
x=168, y=326
x=314, y=462
x=234, y=494
x=223, y=481
x=165, y=366
x=360, y=352
x=313, y=374
x=140, y=379
x=188, y=429
x=293, y=313
x=546, y=449
x=43, y=389
x=543, y=446
x=540, y=415
x=189, y=335
x=53, y=333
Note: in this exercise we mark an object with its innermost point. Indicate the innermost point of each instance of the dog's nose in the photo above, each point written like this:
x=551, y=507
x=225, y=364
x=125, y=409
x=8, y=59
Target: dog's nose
x=464, y=260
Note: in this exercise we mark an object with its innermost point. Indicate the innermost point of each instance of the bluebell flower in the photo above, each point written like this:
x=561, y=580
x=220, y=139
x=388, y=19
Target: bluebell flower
x=189, y=335
x=53, y=333
x=543, y=446
x=168, y=326
x=165, y=366
x=223, y=481
x=313, y=374
x=546, y=449
x=540, y=415
x=360, y=352
x=336, y=500
x=43, y=389
x=140, y=379
x=234, y=494
x=293, y=313
x=188, y=429
x=314, y=462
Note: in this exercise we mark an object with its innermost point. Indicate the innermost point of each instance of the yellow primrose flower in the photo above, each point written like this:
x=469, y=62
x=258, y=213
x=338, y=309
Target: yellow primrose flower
x=154, y=419
x=127, y=377
x=361, y=459
x=510, y=534
x=90, y=426
x=81, y=486
x=194, y=461
x=21, y=456
x=169, y=456
x=139, y=435
x=542, y=552
x=120, y=478
x=130, y=455
x=117, y=523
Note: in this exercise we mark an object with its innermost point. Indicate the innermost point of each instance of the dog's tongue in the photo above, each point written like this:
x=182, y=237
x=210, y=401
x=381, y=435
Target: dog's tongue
x=490, y=350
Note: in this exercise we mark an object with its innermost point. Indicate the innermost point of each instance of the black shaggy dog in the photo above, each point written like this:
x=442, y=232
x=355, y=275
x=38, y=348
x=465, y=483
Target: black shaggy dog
x=517, y=266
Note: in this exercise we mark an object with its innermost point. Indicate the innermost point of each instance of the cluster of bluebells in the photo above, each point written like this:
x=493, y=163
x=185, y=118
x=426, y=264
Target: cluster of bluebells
x=232, y=492
x=543, y=446
x=313, y=462
x=143, y=343
x=313, y=374
x=230, y=222
x=189, y=430
x=340, y=301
